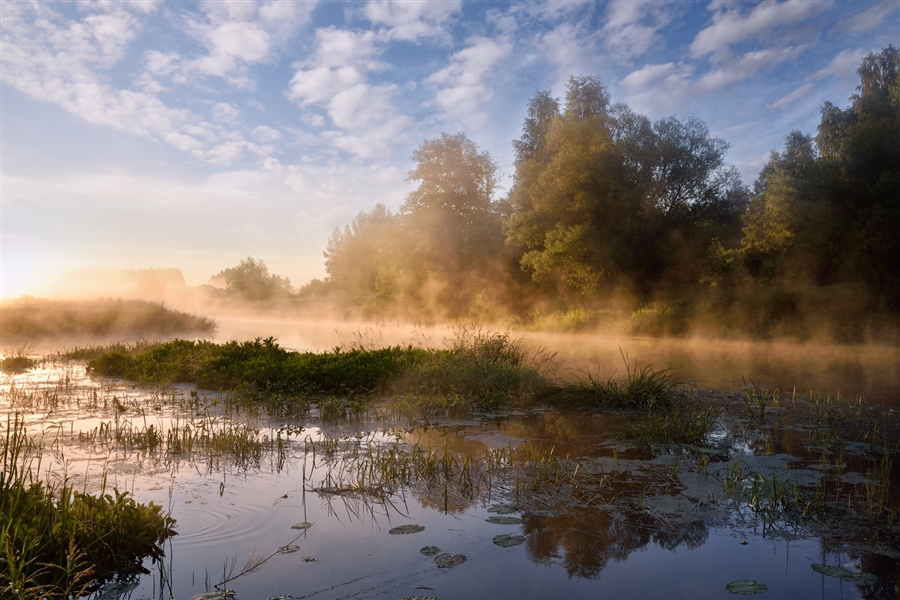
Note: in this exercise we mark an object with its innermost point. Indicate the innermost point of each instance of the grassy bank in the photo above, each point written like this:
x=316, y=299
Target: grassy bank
x=56, y=542
x=29, y=318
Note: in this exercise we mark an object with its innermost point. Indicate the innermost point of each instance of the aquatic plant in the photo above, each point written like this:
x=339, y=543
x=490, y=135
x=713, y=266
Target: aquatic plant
x=56, y=542
x=644, y=389
x=684, y=422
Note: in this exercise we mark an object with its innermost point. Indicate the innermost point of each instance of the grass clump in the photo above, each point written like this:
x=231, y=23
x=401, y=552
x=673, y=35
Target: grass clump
x=486, y=368
x=59, y=543
x=32, y=318
x=684, y=422
x=645, y=389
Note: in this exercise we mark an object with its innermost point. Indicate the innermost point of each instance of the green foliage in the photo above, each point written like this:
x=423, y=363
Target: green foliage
x=832, y=216
x=487, y=368
x=251, y=281
x=683, y=422
x=56, y=542
x=611, y=195
x=32, y=318
x=644, y=389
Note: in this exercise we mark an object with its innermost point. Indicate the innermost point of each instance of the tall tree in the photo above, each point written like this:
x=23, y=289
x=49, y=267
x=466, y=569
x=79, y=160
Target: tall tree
x=618, y=196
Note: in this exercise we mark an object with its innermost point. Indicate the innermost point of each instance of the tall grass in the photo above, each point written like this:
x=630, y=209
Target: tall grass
x=56, y=542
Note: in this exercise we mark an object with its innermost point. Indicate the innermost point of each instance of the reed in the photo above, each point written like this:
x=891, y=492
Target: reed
x=56, y=542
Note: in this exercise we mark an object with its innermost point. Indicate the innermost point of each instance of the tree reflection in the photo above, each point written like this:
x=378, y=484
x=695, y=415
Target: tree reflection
x=587, y=539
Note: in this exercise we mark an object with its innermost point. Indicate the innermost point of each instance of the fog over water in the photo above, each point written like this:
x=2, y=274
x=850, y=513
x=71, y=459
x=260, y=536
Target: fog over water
x=872, y=372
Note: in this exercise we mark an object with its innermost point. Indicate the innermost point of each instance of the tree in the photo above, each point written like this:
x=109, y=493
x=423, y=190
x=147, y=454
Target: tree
x=612, y=195
x=356, y=255
x=451, y=213
x=250, y=280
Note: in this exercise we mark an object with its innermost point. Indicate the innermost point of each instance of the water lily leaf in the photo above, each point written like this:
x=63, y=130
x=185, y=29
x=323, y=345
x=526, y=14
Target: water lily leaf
x=846, y=574
x=508, y=541
x=429, y=550
x=446, y=561
x=303, y=525
x=405, y=529
x=288, y=549
x=746, y=587
x=215, y=595
x=504, y=520
x=503, y=509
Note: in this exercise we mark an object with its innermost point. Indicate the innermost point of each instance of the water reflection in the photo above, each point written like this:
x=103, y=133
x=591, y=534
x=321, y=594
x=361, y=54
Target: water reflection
x=237, y=478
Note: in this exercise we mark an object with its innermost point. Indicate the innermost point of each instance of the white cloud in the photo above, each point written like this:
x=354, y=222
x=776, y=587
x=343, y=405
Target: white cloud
x=336, y=77
x=632, y=28
x=413, y=21
x=788, y=100
x=872, y=18
x=225, y=113
x=264, y=133
x=665, y=88
x=842, y=66
x=63, y=61
x=731, y=26
x=463, y=87
x=237, y=35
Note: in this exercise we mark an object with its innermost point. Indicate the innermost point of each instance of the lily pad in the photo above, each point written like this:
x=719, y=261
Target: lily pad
x=447, y=561
x=503, y=509
x=406, y=529
x=429, y=550
x=215, y=595
x=846, y=574
x=288, y=549
x=508, y=541
x=504, y=520
x=303, y=525
x=746, y=587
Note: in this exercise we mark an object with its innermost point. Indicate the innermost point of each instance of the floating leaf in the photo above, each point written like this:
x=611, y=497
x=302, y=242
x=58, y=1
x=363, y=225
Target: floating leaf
x=746, y=587
x=405, y=529
x=446, y=561
x=215, y=595
x=846, y=574
x=429, y=550
x=504, y=520
x=288, y=549
x=303, y=525
x=503, y=509
x=508, y=541
x=419, y=598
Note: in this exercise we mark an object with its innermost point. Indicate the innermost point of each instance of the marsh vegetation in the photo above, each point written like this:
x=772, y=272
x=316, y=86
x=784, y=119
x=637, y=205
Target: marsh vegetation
x=571, y=469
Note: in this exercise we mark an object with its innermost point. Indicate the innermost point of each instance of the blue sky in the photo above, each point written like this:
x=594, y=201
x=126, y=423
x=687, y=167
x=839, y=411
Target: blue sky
x=193, y=134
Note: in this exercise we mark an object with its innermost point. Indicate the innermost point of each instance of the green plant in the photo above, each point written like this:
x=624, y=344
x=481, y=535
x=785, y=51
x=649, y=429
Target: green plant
x=56, y=542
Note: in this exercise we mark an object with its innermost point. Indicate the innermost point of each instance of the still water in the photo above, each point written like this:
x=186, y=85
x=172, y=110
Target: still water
x=541, y=504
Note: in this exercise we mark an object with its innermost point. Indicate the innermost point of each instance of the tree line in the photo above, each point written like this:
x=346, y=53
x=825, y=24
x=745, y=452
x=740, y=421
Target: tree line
x=607, y=204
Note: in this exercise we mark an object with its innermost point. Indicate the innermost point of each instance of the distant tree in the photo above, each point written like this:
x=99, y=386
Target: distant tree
x=250, y=280
x=356, y=254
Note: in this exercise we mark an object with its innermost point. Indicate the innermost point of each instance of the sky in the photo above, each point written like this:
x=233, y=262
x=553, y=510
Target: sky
x=146, y=133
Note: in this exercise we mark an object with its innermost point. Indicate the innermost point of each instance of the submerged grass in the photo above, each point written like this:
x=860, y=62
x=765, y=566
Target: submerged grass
x=56, y=542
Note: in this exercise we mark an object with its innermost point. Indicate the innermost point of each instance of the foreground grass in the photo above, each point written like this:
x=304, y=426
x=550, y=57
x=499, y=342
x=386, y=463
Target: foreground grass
x=56, y=542
x=31, y=318
x=478, y=371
